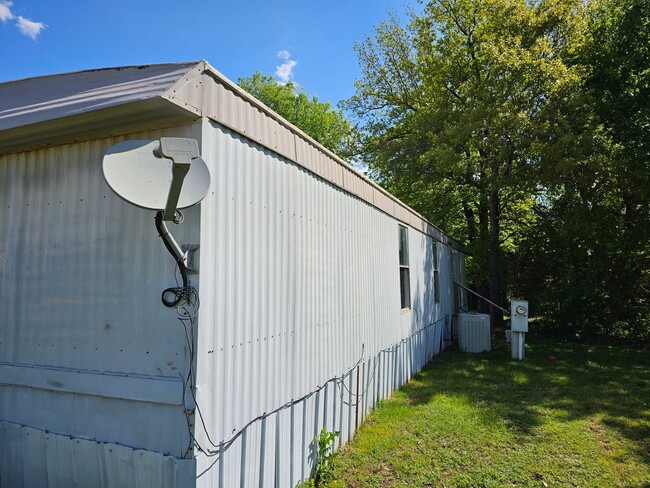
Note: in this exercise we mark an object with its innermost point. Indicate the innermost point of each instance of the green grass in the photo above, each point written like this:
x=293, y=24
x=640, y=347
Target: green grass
x=485, y=420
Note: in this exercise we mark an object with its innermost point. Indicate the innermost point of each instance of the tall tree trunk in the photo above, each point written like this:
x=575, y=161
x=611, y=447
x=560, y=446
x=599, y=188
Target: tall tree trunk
x=496, y=315
x=471, y=221
x=481, y=249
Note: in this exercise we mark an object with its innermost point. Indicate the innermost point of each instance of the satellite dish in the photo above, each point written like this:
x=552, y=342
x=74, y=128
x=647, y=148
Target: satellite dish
x=140, y=172
x=164, y=175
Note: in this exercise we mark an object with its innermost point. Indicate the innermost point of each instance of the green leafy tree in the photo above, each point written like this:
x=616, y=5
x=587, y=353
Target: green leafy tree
x=319, y=120
x=456, y=108
x=587, y=259
x=619, y=57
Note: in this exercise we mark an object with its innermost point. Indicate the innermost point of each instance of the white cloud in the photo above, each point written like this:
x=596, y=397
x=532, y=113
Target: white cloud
x=27, y=27
x=5, y=11
x=284, y=54
x=284, y=72
x=30, y=28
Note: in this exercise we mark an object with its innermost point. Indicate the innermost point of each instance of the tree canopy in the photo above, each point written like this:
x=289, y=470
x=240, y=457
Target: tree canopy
x=522, y=128
x=320, y=120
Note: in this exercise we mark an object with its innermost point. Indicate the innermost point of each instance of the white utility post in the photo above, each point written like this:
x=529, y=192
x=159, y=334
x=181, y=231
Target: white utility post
x=518, y=327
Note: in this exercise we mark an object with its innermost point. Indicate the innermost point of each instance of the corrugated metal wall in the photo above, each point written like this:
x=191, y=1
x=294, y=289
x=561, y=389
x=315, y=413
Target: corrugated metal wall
x=40, y=459
x=86, y=347
x=299, y=284
x=226, y=104
x=300, y=325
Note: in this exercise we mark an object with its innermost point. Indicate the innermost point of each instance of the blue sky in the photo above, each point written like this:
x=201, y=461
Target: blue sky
x=309, y=41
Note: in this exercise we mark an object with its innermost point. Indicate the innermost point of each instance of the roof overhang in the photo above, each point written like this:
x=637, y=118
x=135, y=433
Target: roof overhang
x=145, y=114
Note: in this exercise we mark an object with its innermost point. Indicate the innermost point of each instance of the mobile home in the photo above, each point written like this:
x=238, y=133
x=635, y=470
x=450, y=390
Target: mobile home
x=315, y=292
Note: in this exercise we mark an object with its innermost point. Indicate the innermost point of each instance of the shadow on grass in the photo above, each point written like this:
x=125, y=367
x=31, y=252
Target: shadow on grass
x=582, y=382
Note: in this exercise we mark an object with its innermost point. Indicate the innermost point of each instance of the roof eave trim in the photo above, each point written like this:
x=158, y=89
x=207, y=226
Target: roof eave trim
x=146, y=114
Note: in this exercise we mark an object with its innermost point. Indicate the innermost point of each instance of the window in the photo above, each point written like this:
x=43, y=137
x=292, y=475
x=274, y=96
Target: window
x=436, y=273
x=404, y=277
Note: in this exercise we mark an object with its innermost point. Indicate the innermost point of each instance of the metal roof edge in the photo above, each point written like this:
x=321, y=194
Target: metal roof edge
x=39, y=99
x=94, y=70
x=108, y=121
x=177, y=93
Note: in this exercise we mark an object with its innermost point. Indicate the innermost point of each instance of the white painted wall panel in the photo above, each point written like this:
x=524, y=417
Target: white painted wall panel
x=299, y=282
x=87, y=350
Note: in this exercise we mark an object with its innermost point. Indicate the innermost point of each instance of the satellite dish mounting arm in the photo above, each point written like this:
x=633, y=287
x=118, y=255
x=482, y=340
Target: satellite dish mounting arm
x=181, y=152
x=173, y=297
x=169, y=241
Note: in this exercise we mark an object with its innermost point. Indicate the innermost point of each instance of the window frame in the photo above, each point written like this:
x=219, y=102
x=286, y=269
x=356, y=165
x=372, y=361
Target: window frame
x=436, y=273
x=404, y=267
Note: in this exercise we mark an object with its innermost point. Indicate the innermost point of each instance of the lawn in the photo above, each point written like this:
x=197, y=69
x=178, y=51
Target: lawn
x=582, y=419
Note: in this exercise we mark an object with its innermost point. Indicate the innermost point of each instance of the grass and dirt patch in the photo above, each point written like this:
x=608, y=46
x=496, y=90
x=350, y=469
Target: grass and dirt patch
x=578, y=418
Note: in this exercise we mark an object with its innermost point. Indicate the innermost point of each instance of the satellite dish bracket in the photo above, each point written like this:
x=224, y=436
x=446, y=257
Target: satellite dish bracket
x=170, y=243
x=181, y=152
x=173, y=297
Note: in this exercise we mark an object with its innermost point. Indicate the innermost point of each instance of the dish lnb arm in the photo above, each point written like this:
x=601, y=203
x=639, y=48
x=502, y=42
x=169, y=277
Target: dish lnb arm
x=181, y=151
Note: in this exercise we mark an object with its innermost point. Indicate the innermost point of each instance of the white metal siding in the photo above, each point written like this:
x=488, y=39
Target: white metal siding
x=228, y=105
x=86, y=347
x=299, y=281
x=41, y=459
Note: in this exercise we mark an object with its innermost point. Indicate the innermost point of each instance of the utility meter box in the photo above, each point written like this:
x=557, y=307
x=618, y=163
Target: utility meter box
x=519, y=316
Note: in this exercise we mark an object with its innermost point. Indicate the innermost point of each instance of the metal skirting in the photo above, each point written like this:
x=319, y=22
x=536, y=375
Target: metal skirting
x=38, y=458
x=474, y=332
x=278, y=448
